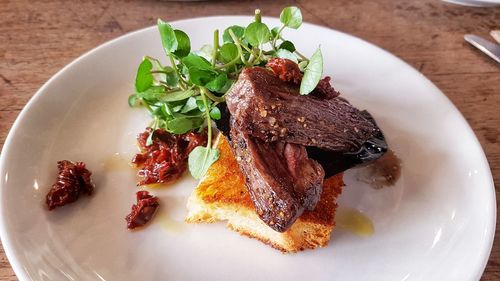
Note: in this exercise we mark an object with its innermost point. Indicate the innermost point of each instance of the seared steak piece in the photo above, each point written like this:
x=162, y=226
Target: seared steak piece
x=281, y=179
x=271, y=125
x=270, y=109
x=336, y=162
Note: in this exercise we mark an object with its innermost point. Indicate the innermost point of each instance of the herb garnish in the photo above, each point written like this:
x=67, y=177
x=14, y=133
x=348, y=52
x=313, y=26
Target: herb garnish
x=184, y=95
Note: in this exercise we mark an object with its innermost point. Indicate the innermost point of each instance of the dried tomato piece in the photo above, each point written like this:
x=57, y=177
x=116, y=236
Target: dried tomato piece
x=165, y=159
x=73, y=179
x=143, y=211
x=285, y=69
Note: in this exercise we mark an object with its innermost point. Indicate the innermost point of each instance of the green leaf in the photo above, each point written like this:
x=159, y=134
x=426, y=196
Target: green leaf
x=144, y=78
x=215, y=113
x=291, y=17
x=172, y=79
x=199, y=69
x=282, y=53
x=190, y=105
x=162, y=123
x=257, y=34
x=179, y=125
x=201, y=77
x=168, y=38
x=196, y=113
x=193, y=60
x=133, y=100
x=218, y=83
x=287, y=45
x=200, y=159
x=274, y=32
x=152, y=94
x=149, y=140
x=226, y=87
x=177, y=96
x=206, y=52
x=184, y=69
x=164, y=111
x=228, y=52
x=302, y=65
x=312, y=74
x=198, y=121
x=177, y=108
x=183, y=44
x=201, y=105
x=237, y=30
x=160, y=71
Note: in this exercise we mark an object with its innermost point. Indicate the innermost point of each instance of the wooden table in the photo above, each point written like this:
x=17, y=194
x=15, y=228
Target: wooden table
x=37, y=39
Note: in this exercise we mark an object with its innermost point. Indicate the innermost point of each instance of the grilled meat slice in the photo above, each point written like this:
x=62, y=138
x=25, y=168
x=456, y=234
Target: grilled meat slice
x=270, y=109
x=281, y=179
x=336, y=162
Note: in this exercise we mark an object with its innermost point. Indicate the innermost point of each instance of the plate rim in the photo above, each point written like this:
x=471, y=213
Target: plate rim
x=6, y=239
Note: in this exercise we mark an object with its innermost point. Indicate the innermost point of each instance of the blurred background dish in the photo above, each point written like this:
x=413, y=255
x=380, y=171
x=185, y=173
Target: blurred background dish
x=475, y=3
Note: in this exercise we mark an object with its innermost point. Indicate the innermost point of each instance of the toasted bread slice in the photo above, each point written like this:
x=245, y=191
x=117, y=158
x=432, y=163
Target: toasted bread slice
x=222, y=196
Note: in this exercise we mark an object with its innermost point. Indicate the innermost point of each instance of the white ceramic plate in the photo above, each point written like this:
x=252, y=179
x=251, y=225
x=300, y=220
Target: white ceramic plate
x=437, y=223
x=475, y=3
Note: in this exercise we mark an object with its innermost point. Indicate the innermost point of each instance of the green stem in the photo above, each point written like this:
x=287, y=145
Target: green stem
x=301, y=56
x=148, y=107
x=260, y=54
x=209, y=122
x=277, y=37
x=251, y=59
x=229, y=64
x=181, y=80
x=216, y=47
x=160, y=71
x=153, y=59
x=238, y=42
x=238, y=46
x=246, y=48
x=155, y=124
x=164, y=84
x=258, y=16
x=211, y=96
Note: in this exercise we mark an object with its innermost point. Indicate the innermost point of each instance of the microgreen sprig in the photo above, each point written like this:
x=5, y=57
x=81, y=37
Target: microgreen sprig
x=184, y=95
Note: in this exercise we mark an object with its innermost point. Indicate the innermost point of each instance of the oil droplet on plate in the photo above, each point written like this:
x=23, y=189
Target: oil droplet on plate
x=117, y=162
x=155, y=185
x=170, y=224
x=354, y=221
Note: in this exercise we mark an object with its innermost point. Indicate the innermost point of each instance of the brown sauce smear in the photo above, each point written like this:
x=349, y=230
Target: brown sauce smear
x=385, y=171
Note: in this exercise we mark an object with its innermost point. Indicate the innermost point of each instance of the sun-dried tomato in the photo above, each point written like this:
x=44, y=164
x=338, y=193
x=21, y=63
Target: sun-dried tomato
x=73, y=179
x=143, y=211
x=285, y=69
x=165, y=159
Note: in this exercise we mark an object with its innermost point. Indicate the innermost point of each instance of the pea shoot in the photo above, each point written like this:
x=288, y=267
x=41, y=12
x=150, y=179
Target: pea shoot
x=184, y=95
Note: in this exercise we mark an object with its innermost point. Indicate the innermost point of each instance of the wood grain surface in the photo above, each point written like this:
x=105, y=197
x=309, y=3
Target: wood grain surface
x=37, y=38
